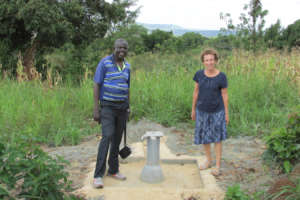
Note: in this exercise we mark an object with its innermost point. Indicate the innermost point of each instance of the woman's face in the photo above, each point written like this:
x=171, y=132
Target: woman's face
x=209, y=61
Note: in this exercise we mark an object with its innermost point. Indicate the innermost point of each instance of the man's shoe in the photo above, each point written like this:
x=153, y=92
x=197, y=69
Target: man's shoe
x=117, y=176
x=98, y=183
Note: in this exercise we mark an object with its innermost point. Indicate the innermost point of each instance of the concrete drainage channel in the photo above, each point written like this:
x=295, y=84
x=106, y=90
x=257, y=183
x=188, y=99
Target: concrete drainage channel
x=175, y=177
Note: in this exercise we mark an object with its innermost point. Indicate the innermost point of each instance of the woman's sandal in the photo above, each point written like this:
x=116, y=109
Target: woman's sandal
x=205, y=165
x=216, y=171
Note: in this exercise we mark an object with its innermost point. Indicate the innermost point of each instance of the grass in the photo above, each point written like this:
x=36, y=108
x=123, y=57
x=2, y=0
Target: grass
x=53, y=116
x=263, y=89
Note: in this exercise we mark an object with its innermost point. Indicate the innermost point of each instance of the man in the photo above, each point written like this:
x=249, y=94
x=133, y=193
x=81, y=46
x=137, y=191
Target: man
x=111, y=88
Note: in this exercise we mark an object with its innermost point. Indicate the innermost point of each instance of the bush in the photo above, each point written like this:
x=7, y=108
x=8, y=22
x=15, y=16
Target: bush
x=8, y=57
x=235, y=193
x=28, y=172
x=284, y=142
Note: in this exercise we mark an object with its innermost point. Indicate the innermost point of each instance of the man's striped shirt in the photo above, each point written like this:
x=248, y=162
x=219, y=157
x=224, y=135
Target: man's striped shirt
x=114, y=83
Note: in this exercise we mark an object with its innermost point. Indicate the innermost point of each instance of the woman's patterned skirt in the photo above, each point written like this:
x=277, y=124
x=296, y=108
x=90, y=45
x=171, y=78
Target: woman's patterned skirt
x=210, y=127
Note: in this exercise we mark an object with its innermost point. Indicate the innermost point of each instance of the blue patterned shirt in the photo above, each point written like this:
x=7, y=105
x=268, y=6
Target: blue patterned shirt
x=114, y=82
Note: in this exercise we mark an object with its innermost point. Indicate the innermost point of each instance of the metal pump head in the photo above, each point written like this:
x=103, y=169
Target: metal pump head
x=152, y=172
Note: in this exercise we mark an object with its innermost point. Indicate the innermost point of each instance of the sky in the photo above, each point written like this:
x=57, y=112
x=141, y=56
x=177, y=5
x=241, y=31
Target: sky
x=205, y=14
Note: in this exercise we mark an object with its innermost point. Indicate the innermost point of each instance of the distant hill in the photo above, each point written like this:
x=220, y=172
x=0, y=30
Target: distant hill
x=177, y=30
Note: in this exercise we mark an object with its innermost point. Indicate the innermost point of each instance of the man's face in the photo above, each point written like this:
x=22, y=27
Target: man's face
x=121, y=49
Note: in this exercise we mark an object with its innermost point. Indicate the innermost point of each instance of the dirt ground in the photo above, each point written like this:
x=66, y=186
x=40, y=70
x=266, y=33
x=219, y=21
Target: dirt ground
x=241, y=160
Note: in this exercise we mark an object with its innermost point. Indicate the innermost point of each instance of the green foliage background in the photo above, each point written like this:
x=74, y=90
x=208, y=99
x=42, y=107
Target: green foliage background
x=262, y=91
x=284, y=142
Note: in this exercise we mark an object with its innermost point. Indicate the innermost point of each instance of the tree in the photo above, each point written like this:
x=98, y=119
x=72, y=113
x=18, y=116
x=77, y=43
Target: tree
x=250, y=29
x=134, y=34
x=257, y=21
x=156, y=39
x=273, y=36
x=192, y=40
x=93, y=19
x=292, y=35
x=32, y=24
x=223, y=42
x=122, y=16
x=42, y=25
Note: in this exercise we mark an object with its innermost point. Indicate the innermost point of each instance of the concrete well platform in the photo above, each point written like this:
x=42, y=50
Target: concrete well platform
x=183, y=179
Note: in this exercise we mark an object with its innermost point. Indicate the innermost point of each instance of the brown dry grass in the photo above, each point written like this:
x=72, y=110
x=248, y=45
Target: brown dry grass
x=278, y=186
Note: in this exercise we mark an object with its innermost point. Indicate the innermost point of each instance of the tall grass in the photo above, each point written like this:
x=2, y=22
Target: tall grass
x=262, y=90
x=53, y=116
x=161, y=95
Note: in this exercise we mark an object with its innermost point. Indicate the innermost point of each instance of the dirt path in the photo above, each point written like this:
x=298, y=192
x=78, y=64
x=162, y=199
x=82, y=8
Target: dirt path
x=241, y=163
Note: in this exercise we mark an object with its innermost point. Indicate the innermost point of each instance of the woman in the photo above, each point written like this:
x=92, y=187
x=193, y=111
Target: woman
x=210, y=108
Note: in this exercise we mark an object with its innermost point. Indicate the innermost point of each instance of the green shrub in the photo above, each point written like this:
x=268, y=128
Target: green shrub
x=235, y=193
x=8, y=56
x=28, y=172
x=284, y=142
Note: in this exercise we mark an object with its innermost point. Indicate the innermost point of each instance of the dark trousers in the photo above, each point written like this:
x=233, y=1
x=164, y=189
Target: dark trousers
x=113, y=122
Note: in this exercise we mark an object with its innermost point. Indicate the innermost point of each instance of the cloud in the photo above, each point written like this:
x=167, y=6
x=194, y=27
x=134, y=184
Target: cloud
x=206, y=14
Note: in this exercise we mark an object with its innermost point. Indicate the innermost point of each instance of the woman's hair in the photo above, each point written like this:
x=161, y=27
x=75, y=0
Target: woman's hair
x=209, y=52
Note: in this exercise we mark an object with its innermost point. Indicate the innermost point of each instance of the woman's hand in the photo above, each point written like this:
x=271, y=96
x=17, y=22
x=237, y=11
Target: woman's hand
x=227, y=118
x=193, y=115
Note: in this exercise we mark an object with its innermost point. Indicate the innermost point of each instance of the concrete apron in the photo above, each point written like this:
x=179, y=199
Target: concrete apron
x=183, y=179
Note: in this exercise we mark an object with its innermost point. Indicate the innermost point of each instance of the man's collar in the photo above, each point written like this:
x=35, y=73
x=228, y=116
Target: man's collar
x=114, y=60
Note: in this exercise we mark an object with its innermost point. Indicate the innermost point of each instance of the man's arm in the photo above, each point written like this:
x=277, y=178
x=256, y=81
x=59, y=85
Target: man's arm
x=98, y=81
x=129, y=88
x=96, y=102
x=128, y=110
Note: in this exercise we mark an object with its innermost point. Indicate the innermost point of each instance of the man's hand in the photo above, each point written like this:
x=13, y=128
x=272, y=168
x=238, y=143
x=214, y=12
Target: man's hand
x=97, y=115
x=128, y=114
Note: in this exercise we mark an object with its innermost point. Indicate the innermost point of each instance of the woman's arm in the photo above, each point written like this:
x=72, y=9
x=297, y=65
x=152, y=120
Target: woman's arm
x=225, y=100
x=195, y=97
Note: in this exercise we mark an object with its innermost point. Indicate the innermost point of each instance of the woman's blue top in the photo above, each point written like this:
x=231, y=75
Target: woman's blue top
x=209, y=96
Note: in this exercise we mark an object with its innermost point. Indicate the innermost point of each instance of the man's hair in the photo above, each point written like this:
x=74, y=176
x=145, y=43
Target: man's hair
x=120, y=40
x=209, y=52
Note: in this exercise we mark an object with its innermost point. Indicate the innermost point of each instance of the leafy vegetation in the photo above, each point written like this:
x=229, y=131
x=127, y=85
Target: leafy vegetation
x=54, y=116
x=249, y=32
x=262, y=89
x=286, y=192
x=290, y=192
x=259, y=95
x=29, y=173
x=35, y=27
x=284, y=142
x=58, y=44
x=235, y=193
x=77, y=29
